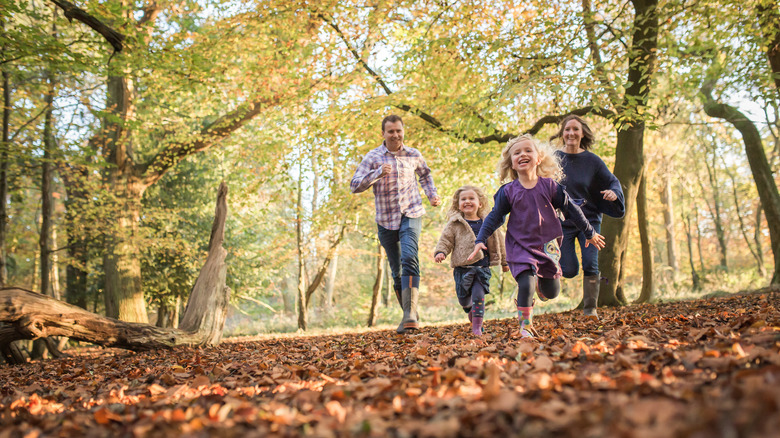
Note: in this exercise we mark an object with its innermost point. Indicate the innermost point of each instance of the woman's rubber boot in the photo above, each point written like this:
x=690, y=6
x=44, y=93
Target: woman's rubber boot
x=590, y=296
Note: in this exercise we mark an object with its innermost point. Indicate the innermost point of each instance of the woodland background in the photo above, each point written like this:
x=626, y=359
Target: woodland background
x=120, y=123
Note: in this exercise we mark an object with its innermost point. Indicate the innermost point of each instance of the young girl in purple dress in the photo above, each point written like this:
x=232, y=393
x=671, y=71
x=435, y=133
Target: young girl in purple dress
x=534, y=230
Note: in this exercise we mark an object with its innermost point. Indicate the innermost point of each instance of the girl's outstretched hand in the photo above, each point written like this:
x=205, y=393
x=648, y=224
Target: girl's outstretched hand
x=439, y=257
x=477, y=248
x=597, y=240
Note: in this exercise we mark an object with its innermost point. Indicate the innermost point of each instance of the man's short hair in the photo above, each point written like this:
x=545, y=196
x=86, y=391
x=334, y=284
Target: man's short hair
x=391, y=119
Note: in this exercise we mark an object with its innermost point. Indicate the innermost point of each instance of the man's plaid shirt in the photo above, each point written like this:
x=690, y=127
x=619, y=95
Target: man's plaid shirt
x=396, y=193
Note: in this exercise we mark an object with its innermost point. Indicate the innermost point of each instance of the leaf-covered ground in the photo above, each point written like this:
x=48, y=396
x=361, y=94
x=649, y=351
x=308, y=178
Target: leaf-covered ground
x=690, y=369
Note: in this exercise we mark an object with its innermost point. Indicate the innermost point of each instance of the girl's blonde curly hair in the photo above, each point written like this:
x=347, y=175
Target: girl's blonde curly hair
x=483, y=201
x=549, y=167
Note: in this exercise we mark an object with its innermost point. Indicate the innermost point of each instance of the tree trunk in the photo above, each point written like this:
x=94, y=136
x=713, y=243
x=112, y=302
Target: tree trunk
x=648, y=287
x=759, y=166
x=75, y=179
x=757, y=240
x=124, y=297
x=668, y=203
x=720, y=233
x=695, y=282
x=769, y=21
x=168, y=315
x=55, y=271
x=389, y=295
x=629, y=164
x=629, y=152
x=5, y=146
x=330, y=282
x=33, y=316
x=302, y=304
x=742, y=226
x=372, y=314
x=47, y=200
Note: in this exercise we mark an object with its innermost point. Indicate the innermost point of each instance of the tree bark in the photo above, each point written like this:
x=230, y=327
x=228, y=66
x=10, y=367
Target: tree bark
x=648, y=282
x=31, y=316
x=769, y=21
x=5, y=146
x=330, y=283
x=47, y=200
x=667, y=200
x=629, y=152
x=742, y=226
x=75, y=179
x=372, y=314
x=695, y=281
x=714, y=209
x=759, y=166
x=757, y=240
x=302, y=295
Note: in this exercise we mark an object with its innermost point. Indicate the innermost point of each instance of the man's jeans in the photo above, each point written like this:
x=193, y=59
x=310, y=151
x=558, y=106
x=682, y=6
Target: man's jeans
x=590, y=255
x=401, y=248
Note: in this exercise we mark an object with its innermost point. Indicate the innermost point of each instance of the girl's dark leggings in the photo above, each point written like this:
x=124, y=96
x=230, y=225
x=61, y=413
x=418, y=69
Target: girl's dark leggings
x=527, y=282
x=477, y=294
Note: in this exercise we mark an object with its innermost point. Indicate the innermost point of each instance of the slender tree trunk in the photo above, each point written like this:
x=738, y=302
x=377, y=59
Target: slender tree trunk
x=648, y=287
x=698, y=239
x=330, y=284
x=742, y=226
x=46, y=190
x=720, y=233
x=757, y=240
x=55, y=269
x=75, y=179
x=36, y=260
x=302, y=304
x=696, y=284
x=389, y=294
x=668, y=203
x=629, y=153
x=372, y=315
x=4, y=148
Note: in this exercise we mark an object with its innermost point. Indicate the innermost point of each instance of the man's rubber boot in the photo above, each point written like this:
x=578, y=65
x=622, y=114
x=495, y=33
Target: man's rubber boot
x=410, y=296
x=400, y=330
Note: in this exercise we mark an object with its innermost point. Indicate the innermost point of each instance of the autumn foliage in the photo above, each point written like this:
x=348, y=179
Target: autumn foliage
x=695, y=368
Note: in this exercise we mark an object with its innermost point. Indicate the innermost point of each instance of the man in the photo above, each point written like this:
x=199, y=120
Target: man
x=390, y=169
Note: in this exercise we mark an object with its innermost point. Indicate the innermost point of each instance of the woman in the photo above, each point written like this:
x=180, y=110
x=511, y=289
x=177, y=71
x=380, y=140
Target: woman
x=596, y=190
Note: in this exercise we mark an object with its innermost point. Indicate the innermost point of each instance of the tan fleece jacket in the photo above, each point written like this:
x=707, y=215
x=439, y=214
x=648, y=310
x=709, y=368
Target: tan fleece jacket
x=458, y=239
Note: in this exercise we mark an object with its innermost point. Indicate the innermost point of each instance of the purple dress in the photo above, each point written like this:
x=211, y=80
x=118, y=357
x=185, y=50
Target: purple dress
x=534, y=229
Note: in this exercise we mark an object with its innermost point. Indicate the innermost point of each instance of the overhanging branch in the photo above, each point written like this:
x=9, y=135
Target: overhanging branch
x=74, y=12
x=208, y=137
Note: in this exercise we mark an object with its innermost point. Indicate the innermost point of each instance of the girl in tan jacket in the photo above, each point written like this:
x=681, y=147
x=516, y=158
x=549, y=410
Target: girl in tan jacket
x=472, y=278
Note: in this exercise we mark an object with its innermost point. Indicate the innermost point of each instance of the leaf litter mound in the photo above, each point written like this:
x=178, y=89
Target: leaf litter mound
x=689, y=369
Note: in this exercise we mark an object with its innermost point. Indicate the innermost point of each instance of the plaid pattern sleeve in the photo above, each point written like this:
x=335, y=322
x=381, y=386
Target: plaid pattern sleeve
x=395, y=194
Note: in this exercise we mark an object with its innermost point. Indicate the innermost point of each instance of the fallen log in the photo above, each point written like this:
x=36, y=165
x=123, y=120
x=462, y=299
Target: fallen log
x=29, y=315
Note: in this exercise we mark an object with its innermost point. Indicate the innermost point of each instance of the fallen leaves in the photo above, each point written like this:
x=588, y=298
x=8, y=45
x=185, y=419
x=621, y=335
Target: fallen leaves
x=693, y=368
